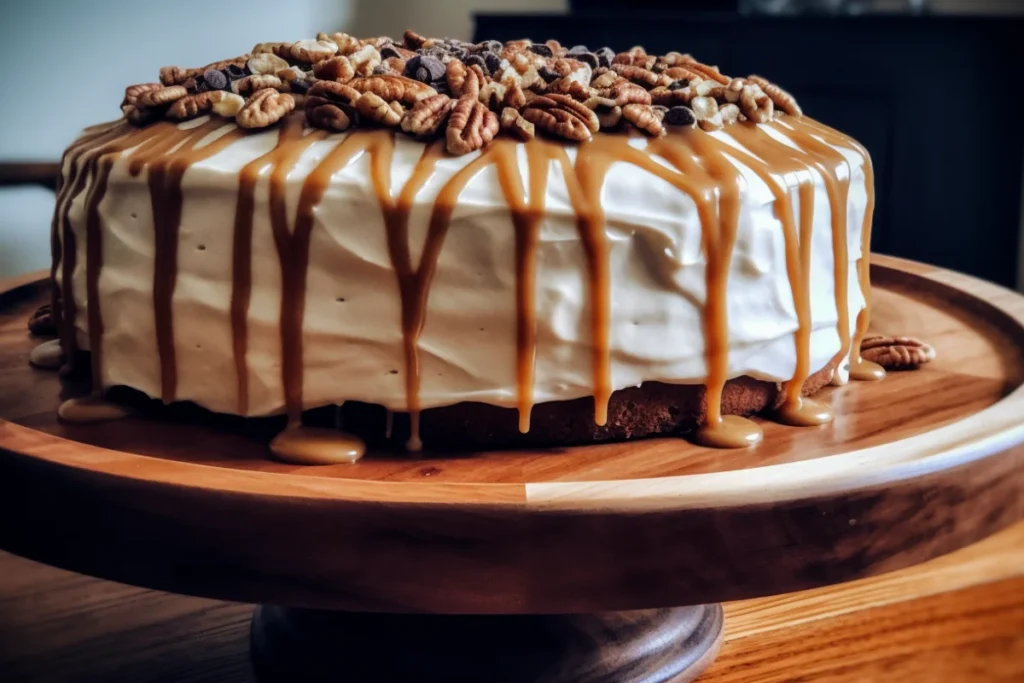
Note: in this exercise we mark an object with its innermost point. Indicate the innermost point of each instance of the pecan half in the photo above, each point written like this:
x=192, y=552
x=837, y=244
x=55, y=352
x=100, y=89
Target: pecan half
x=427, y=117
x=896, y=353
x=624, y=92
x=218, y=102
x=133, y=92
x=264, y=108
x=641, y=76
x=706, y=70
x=374, y=108
x=513, y=123
x=577, y=110
x=266, y=63
x=41, y=322
x=413, y=40
x=558, y=122
x=782, y=99
x=327, y=116
x=493, y=95
x=161, y=97
x=250, y=84
x=175, y=75
x=346, y=44
x=365, y=60
x=643, y=117
x=471, y=126
x=464, y=80
x=406, y=90
x=514, y=96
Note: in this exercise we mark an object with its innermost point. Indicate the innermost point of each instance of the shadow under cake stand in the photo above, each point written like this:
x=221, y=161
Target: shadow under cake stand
x=545, y=565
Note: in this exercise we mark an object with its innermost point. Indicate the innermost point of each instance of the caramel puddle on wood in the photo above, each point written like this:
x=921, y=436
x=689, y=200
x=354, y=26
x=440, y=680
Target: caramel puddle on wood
x=301, y=445
x=91, y=409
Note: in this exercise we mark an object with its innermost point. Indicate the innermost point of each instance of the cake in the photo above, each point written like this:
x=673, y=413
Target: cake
x=465, y=246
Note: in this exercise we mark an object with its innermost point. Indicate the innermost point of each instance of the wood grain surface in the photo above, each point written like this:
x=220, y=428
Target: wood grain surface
x=957, y=618
x=933, y=461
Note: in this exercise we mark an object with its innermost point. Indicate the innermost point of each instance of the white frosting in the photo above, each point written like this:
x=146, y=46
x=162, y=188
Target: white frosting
x=353, y=348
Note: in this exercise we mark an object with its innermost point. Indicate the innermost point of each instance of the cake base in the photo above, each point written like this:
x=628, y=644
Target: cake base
x=653, y=646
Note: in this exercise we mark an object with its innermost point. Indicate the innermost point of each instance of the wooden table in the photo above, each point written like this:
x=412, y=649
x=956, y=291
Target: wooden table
x=957, y=618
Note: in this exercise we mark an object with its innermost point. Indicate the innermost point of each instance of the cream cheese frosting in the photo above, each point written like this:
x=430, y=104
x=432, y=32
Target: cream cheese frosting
x=352, y=337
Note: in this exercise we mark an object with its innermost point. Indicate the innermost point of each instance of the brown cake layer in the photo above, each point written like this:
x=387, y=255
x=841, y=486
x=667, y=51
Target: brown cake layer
x=648, y=410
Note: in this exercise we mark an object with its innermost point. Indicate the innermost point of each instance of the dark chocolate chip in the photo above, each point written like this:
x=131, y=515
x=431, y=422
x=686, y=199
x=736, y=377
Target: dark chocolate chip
x=460, y=53
x=547, y=74
x=390, y=51
x=215, y=80
x=234, y=72
x=605, y=55
x=542, y=50
x=680, y=116
x=578, y=50
x=477, y=60
x=491, y=45
x=678, y=85
x=434, y=66
x=299, y=85
x=588, y=58
x=422, y=73
x=199, y=84
x=493, y=61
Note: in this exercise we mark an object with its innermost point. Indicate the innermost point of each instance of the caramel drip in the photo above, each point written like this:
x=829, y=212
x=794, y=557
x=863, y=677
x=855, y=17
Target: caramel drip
x=166, y=174
x=795, y=409
x=860, y=369
x=241, y=260
x=526, y=219
x=293, y=255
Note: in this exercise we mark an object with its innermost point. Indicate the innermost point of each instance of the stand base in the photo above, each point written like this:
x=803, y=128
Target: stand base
x=650, y=646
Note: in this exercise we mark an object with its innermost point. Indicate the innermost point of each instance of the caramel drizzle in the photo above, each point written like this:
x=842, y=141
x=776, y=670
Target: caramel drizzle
x=700, y=167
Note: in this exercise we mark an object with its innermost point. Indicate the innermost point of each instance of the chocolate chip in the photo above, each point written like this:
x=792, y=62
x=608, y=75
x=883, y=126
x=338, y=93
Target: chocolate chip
x=588, y=58
x=680, y=116
x=477, y=60
x=491, y=45
x=605, y=55
x=493, y=61
x=542, y=50
x=215, y=80
x=547, y=74
x=437, y=52
x=298, y=85
x=460, y=53
x=234, y=72
x=435, y=66
x=198, y=84
x=678, y=85
x=578, y=50
x=390, y=51
x=418, y=69
x=381, y=70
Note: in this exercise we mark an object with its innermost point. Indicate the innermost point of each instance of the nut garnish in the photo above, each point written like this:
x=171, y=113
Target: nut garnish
x=471, y=126
x=896, y=353
x=264, y=108
x=566, y=92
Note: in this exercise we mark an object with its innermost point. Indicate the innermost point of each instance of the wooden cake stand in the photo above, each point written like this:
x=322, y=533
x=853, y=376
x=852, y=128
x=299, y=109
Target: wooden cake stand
x=521, y=566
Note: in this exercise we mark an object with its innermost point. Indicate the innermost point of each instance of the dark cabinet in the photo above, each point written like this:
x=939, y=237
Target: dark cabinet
x=934, y=99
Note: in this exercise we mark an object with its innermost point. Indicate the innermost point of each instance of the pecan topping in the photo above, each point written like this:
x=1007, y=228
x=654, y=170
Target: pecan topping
x=641, y=76
x=365, y=60
x=41, y=322
x=312, y=51
x=782, y=99
x=896, y=353
x=173, y=75
x=577, y=110
x=336, y=68
x=346, y=44
x=755, y=103
x=391, y=88
x=218, y=102
x=514, y=96
x=250, y=84
x=471, y=126
x=427, y=117
x=334, y=92
x=161, y=97
x=264, y=108
x=374, y=108
x=464, y=80
x=133, y=92
x=705, y=109
x=329, y=116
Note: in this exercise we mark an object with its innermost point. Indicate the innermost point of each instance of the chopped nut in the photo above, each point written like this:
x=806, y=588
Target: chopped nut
x=575, y=90
x=365, y=60
x=643, y=117
x=427, y=117
x=264, y=108
x=250, y=84
x=896, y=353
x=514, y=96
x=414, y=41
x=161, y=97
x=782, y=99
x=374, y=108
x=266, y=63
x=624, y=92
x=734, y=90
x=470, y=127
x=493, y=95
x=604, y=80
x=395, y=65
x=312, y=51
x=513, y=123
x=336, y=68
x=730, y=113
x=277, y=48
x=705, y=109
x=755, y=104
x=226, y=104
x=346, y=43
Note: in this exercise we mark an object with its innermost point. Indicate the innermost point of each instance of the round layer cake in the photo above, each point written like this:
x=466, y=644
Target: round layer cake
x=614, y=245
